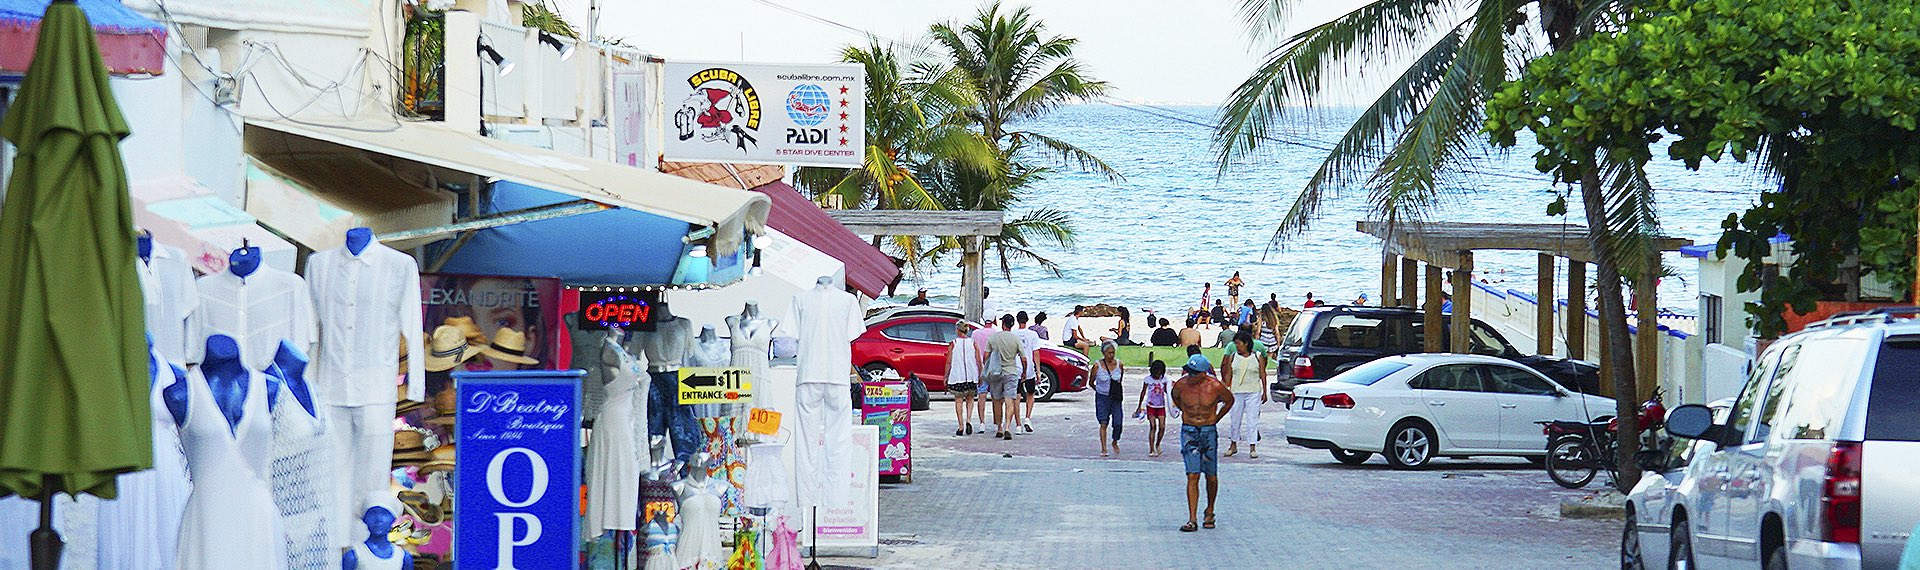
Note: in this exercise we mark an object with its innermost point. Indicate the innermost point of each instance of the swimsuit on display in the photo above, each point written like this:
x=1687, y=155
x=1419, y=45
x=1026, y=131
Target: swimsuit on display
x=659, y=553
x=230, y=520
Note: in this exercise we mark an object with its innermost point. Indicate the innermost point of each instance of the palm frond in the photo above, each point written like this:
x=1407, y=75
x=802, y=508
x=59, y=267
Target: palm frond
x=1265, y=19
x=1295, y=72
x=1068, y=152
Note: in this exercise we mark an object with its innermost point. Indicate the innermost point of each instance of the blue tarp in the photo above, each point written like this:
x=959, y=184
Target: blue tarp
x=106, y=15
x=614, y=247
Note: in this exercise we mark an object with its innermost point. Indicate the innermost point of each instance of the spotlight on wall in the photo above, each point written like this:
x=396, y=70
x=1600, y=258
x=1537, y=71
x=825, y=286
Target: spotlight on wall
x=501, y=64
x=565, y=49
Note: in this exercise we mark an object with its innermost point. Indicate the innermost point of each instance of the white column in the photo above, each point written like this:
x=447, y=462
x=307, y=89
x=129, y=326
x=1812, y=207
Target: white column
x=462, y=72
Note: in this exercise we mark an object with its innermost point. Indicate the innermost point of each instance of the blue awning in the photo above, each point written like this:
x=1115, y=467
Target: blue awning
x=613, y=247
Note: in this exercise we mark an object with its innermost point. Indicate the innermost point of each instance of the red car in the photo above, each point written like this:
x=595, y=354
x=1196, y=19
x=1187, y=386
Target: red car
x=918, y=345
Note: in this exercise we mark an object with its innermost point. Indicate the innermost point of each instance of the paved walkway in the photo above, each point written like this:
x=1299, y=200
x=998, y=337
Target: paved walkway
x=1049, y=501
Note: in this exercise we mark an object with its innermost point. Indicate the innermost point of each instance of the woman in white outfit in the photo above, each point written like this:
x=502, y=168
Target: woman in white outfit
x=1244, y=369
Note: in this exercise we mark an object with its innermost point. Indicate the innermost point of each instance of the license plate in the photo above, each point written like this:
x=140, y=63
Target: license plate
x=1307, y=403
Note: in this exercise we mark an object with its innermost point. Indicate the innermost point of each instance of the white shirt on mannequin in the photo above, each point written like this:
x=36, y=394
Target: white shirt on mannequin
x=171, y=297
x=368, y=304
x=826, y=320
x=260, y=311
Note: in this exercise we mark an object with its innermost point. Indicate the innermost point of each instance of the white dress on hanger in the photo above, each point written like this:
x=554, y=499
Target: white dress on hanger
x=230, y=520
x=751, y=347
x=699, y=546
x=140, y=529
x=614, y=452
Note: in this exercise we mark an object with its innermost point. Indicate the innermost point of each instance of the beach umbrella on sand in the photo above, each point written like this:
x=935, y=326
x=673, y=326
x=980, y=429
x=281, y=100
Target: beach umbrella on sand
x=73, y=359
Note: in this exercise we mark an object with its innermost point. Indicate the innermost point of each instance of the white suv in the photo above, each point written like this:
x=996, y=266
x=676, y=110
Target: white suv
x=1818, y=463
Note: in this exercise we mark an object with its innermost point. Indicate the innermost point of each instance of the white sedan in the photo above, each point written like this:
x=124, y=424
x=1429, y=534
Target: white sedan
x=1415, y=407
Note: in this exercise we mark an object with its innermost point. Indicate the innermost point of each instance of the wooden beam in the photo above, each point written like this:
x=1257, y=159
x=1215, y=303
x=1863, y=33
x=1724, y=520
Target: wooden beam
x=1543, y=308
x=1646, y=349
x=921, y=222
x=972, y=279
x=1430, y=326
x=1576, y=315
x=1462, y=329
x=1388, y=284
x=1409, y=282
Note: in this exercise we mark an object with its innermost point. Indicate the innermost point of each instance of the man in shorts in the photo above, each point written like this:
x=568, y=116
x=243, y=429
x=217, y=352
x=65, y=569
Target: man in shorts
x=1005, y=359
x=1202, y=400
x=1029, y=371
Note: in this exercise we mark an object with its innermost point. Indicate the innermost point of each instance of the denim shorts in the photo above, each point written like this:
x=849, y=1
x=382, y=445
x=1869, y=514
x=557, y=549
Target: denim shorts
x=1199, y=449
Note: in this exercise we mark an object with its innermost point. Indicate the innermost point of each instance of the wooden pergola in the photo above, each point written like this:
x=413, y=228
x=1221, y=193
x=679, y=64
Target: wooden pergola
x=1450, y=245
x=968, y=225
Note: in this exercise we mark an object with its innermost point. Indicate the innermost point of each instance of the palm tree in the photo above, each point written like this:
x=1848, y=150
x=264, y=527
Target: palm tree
x=1022, y=73
x=914, y=118
x=1417, y=139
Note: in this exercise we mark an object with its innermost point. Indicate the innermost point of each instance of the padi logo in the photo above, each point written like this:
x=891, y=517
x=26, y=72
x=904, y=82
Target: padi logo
x=722, y=107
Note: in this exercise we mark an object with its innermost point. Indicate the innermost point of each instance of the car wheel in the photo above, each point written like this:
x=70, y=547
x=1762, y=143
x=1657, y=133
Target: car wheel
x=1680, y=546
x=1351, y=457
x=1410, y=445
x=1630, y=558
x=874, y=370
x=1047, y=385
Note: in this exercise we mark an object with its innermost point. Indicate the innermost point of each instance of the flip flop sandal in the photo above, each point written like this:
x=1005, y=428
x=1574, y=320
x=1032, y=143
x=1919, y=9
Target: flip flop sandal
x=1208, y=523
x=1188, y=527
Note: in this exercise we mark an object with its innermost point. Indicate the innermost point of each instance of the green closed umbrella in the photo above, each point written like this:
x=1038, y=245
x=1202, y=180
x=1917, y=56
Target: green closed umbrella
x=73, y=360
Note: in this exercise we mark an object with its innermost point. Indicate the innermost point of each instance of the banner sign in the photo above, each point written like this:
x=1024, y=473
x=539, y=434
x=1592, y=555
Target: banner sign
x=627, y=108
x=517, y=485
x=889, y=407
x=856, y=522
x=602, y=310
x=804, y=115
x=715, y=385
x=516, y=320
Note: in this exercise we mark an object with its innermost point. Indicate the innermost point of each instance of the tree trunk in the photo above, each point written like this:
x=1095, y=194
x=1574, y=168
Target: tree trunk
x=1613, y=324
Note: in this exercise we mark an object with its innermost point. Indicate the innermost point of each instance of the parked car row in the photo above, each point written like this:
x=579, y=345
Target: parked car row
x=913, y=342
x=1326, y=341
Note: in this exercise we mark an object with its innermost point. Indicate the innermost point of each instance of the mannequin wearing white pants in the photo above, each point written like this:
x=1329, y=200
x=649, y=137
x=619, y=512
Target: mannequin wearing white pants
x=826, y=431
x=363, y=450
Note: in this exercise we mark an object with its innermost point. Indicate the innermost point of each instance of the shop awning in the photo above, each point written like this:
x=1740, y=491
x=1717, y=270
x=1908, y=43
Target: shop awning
x=868, y=269
x=612, y=247
x=130, y=44
x=344, y=155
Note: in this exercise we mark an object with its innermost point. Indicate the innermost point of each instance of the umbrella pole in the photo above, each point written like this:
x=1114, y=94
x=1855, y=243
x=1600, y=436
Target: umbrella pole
x=45, y=543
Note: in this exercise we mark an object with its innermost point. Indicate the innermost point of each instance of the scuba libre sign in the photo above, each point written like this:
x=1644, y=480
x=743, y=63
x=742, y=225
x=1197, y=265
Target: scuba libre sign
x=720, y=114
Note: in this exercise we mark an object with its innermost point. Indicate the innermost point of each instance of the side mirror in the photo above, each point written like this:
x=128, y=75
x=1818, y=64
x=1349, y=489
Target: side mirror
x=1650, y=460
x=1692, y=421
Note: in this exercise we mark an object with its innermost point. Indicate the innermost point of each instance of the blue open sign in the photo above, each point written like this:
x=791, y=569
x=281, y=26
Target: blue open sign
x=518, y=479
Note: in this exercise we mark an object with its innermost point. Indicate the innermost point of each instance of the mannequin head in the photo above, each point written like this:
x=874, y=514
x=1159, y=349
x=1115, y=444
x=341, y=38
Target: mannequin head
x=752, y=309
x=357, y=240
x=665, y=313
x=707, y=334
x=144, y=243
x=221, y=349
x=379, y=520
x=823, y=281
x=244, y=261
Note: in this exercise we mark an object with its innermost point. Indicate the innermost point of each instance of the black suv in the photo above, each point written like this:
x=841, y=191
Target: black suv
x=1325, y=341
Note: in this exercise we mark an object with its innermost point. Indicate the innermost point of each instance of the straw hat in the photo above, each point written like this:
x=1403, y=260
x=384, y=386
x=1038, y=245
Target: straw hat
x=409, y=448
x=448, y=348
x=442, y=460
x=444, y=404
x=468, y=329
x=508, y=346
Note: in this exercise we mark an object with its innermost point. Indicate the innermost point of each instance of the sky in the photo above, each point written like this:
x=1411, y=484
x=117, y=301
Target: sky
x=1161, y=51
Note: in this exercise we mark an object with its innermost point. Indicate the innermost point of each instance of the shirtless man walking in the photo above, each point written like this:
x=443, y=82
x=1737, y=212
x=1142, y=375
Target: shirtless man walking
x=1202, y=400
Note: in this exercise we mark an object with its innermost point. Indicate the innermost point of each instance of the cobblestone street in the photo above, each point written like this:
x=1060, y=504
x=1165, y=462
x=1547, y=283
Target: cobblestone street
x=1054, y=503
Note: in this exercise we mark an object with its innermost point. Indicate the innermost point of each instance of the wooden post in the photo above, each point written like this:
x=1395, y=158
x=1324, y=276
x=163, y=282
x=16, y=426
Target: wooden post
x=1577, y=310
x=1387, y=282
x=1543, y=309
x=1462, y=329
x=1431, y=325
x=972, y=278
x=1646, y=350
x=1409, y=282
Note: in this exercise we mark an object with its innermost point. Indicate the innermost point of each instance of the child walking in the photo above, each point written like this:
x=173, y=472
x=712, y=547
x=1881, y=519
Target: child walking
x=1153, y=404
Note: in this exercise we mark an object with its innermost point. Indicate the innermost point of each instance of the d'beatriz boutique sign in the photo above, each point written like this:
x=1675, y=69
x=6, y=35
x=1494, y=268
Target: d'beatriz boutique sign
x=810, y=115
x=519, y=469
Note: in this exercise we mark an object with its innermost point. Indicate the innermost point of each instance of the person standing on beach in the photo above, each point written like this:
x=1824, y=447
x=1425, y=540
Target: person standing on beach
x=989, y=311
x=1153, y=404
x=1029, y=370
x=1310, y=302
x=1202, y=400
x=963, y=376
x=1233, y=288
x=1244, y=368
x=920, y=299
x=1246, y=314
x=1005, y=359
x=1206, y=296
x=1108, y=375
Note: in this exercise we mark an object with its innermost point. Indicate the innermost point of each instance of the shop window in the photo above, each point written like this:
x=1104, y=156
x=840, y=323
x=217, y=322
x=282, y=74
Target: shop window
x=1710, y=314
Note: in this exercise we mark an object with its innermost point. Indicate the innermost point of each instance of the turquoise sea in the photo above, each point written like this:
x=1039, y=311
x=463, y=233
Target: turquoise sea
x=1175, y=222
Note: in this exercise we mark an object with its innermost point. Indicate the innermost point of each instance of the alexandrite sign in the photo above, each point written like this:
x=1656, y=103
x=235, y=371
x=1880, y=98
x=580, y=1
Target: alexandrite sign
x=519, y=469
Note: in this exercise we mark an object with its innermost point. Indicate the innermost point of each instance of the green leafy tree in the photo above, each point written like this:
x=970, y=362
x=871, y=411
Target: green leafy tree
x=1022, y=73
x=914, y=118
x=1823, y=95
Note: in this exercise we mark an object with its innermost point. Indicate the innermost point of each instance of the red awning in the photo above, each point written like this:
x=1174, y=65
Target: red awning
x=130, y=44
x=868, y=269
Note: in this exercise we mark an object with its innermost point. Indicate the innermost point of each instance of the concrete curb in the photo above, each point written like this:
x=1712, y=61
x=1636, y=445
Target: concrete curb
x=1609, y=505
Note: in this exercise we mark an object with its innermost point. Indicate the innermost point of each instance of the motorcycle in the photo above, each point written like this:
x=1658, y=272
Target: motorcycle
x=1578, y=451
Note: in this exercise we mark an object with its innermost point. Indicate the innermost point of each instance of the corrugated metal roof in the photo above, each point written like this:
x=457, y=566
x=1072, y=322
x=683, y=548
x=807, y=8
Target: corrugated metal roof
x=868, y=269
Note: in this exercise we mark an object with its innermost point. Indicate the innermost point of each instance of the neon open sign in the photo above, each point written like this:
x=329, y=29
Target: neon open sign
x=630, y=311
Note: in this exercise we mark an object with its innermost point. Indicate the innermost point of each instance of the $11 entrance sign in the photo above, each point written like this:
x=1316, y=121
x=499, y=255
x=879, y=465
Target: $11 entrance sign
x=715, y=385
x=518, y=474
